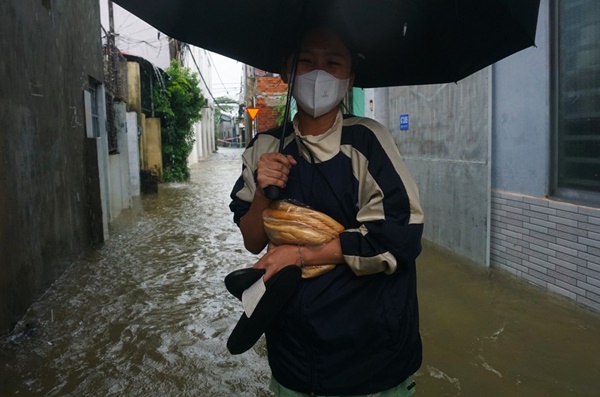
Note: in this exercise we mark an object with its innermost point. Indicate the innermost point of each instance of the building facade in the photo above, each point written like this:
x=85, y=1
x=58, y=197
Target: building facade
x=199, y=61
x=52, y=144
x=134, y=37
x=267, y=92
x=546, y=156
x=508, y=159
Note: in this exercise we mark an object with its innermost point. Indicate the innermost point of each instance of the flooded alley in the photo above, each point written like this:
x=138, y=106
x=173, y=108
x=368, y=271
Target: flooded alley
x=147, y=314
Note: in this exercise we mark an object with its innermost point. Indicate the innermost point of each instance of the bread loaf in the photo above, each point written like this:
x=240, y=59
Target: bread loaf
x=288, y=223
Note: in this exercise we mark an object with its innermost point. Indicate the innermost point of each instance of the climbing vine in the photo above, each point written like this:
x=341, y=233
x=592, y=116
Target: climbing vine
x=178, y=104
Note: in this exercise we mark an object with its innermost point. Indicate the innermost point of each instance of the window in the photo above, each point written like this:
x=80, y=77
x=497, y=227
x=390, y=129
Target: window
x=94, y=112
x=577, y=150
x=91, y=112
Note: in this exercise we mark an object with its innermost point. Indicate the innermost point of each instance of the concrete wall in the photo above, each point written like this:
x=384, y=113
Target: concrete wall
x=49, y=207
x=143, y=144
x=204, y=130
x=103, y=163
x=134, y=87
x=119, y=180
x=133, y=147
x=503, y=113
x=521, y=117
x=446, y=148
x=197, y=149
x=153, y=145
x=546, y=241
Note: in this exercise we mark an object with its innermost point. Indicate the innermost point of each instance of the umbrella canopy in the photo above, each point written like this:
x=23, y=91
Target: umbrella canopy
x=395, y=42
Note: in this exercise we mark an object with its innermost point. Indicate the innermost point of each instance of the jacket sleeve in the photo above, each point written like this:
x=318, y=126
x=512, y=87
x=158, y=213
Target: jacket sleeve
x=245, y=187
x=389, y=214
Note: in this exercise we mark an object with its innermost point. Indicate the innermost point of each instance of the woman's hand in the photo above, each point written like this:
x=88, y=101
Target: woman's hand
x=278, y=257
x=273, y=169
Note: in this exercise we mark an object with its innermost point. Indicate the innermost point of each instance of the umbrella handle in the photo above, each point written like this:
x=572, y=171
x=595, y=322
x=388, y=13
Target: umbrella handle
x=272, y=192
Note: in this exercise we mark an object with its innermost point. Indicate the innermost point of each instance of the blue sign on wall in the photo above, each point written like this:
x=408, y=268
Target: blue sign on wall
x=404, y=122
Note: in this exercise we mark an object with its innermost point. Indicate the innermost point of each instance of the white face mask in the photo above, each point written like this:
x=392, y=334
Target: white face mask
x=318, y=92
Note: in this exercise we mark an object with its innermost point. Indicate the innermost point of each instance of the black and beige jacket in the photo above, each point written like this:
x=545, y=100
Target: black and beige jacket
x=354, y=330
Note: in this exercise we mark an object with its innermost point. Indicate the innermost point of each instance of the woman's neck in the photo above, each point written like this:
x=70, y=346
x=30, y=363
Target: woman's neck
x=308, y=125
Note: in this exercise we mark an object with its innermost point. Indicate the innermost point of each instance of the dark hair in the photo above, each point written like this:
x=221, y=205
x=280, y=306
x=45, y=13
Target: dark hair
x=294, y=41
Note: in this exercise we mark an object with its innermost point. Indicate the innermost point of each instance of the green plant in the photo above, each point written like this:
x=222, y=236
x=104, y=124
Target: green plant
x=178, y=105
x=279, y=110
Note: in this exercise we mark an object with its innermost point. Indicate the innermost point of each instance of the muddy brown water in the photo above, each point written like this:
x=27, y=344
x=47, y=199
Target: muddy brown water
x=147, y=314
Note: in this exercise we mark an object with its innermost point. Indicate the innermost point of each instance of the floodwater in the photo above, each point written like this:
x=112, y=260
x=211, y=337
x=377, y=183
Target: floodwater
x=147, y=314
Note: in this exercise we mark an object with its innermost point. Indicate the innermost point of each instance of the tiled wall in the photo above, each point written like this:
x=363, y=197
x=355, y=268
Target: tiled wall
x=551, y=244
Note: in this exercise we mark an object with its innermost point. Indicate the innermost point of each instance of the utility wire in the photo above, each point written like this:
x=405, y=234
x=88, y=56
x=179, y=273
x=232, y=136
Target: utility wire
x=202, y=77
x=218, y=75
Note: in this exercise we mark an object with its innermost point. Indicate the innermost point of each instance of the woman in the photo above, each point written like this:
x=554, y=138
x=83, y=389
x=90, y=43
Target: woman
x=353, y=330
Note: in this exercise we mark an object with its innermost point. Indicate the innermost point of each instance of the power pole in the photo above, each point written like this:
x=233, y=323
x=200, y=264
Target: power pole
x=111, y=27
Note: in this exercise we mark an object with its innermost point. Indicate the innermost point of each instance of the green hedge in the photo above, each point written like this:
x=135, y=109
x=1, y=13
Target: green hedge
x=178, y=104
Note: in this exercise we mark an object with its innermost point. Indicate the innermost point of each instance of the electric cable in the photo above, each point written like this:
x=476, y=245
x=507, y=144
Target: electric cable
x=202, y=77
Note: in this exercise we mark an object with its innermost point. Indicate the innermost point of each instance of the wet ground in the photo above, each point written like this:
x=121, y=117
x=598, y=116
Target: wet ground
x=147, y=314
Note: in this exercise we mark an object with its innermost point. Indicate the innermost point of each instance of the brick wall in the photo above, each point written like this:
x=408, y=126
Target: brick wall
x=270, y=94
x=551, y=244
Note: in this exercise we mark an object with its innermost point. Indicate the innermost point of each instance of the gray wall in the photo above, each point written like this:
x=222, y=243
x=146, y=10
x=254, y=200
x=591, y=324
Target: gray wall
x=49, y=207
x=552, y=244
x=521, y=117
x=508, y=108
x=118, y=165
x=446, y=148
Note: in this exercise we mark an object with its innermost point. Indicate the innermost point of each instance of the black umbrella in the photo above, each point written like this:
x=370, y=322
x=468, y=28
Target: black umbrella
x=395, y=42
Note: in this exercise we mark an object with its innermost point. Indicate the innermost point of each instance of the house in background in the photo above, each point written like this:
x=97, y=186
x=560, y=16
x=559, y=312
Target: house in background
x=134, y=37
x=146, y=53
x=228, y=131
x=508, y=160
x=265, y=91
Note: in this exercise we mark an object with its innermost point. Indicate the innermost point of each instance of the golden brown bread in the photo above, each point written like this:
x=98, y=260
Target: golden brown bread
x=285, y=231
x=288, y=223
x=283, y=209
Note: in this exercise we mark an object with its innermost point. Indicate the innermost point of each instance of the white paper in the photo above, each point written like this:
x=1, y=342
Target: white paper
x=252, y=295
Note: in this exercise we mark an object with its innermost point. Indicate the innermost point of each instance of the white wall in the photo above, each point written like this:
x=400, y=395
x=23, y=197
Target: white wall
x=119, y=175
x=198, y=60
x=133, y=147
